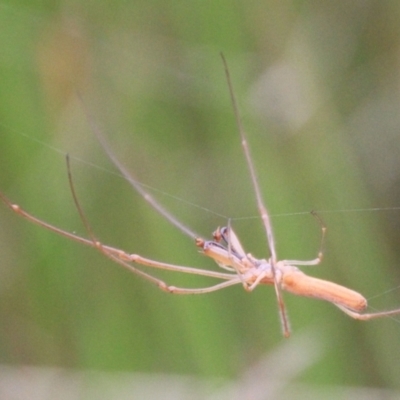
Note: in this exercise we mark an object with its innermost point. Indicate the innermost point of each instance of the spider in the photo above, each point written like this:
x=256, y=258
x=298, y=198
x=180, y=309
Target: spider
x=224, y=248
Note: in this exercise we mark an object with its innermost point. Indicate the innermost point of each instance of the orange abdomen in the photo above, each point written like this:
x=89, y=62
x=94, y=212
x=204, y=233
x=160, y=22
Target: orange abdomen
x=298, y=283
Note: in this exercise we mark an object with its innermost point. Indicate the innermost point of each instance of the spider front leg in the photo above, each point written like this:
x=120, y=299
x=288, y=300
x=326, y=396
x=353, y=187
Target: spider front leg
x=124, y=259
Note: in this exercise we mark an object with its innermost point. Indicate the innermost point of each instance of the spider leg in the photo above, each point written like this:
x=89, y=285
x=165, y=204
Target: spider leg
x=123, y=258
x=320, y=253
x=260, y=204
x=131, y=179
x=368, y=316
x=230, y=279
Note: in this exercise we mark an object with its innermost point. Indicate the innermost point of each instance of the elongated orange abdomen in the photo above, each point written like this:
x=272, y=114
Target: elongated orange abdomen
x=298, y=283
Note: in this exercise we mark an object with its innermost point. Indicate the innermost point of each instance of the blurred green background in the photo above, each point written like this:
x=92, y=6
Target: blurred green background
x=318, y=87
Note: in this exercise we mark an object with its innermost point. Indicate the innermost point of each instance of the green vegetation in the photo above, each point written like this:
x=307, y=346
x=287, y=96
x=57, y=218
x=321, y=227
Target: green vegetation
x=317, y=86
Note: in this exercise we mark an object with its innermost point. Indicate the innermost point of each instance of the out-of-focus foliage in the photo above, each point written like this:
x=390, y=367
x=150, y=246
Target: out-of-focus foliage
x=318, y=87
